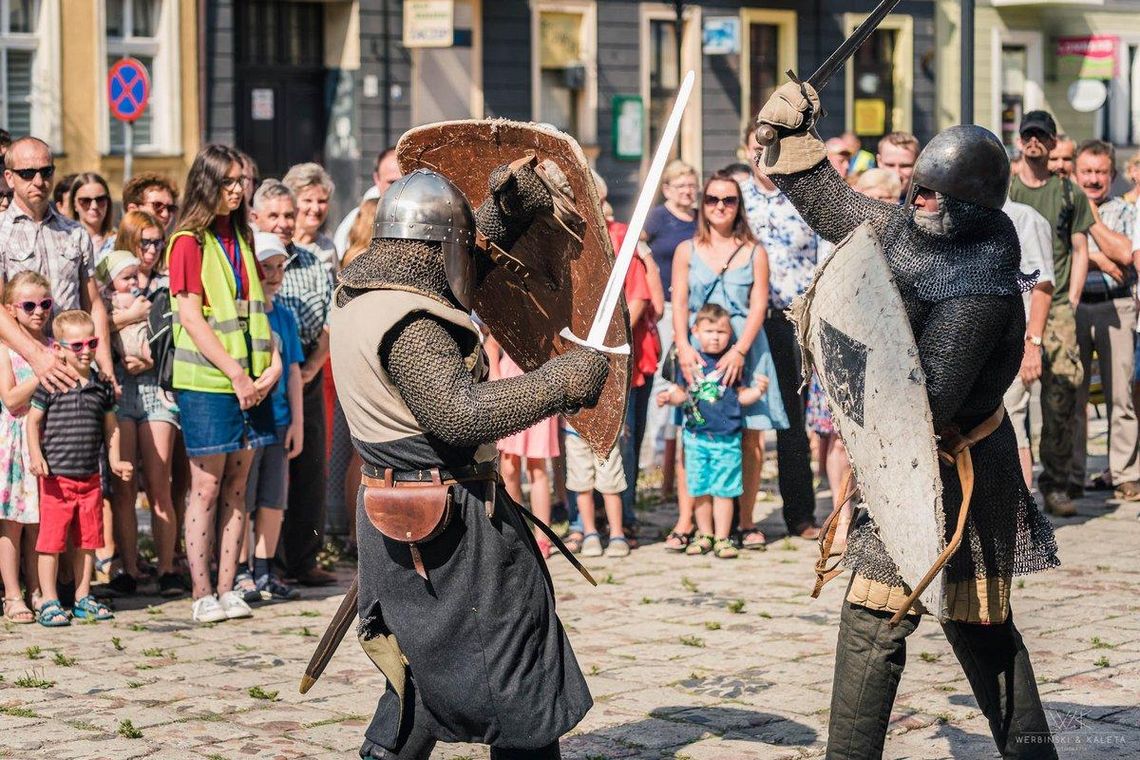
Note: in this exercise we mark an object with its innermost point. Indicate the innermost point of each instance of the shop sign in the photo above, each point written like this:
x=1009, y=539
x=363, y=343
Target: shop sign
x=261, y=103
x=870, y=116
x=721, y=35
x=1088, y=57
x=428, y=23
x=560, y=37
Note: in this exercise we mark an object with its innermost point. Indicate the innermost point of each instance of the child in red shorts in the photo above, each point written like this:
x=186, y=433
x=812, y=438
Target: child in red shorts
x=65, y=433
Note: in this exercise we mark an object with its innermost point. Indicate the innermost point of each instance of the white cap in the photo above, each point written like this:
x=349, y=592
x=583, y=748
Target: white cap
x=267, y=245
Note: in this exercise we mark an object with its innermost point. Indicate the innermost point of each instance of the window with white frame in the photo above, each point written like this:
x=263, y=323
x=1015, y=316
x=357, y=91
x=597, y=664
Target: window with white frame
x=148, y=31
x=18, y=48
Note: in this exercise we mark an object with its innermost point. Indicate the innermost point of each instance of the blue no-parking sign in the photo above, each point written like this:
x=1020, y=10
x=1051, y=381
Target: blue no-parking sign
x=128, y=89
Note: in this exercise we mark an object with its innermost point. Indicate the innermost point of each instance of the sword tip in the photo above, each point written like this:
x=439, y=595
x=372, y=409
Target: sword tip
x=307, y=682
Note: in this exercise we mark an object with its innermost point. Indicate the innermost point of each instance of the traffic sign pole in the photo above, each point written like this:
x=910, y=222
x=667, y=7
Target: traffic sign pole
x=128, y=150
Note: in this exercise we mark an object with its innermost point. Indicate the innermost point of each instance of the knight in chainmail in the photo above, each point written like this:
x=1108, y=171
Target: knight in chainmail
x=473, y=650
x=954, y=256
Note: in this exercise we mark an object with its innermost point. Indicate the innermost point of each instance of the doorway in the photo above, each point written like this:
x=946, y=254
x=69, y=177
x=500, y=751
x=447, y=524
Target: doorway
x=280, y=95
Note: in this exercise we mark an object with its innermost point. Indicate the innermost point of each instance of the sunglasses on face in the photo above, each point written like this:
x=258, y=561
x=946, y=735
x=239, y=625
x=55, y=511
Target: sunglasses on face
x=30, y=307
x=30, y=174
x=729, y=201
x=78, y=346
x=99, y=200
x=160, y=208
x=153, y=243
x=232, y=183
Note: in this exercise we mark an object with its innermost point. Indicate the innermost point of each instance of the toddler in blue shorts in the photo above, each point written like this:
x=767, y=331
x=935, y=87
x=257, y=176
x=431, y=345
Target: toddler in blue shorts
x=712, y=434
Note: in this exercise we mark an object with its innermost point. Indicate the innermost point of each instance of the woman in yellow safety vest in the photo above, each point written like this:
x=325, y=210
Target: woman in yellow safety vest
x=225, y=367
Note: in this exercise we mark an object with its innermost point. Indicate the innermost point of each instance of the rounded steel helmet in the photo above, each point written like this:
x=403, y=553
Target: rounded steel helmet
x=425, y=205
x=966, y=162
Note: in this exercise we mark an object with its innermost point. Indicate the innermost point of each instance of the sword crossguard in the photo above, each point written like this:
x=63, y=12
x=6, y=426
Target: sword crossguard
x=597, y=346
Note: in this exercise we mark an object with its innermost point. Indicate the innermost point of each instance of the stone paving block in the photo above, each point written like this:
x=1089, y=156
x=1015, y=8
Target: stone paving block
x=342, y=736
x=103, y=748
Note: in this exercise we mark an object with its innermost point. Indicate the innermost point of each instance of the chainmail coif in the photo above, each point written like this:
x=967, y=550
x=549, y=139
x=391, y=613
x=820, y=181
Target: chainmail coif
x=960, y=282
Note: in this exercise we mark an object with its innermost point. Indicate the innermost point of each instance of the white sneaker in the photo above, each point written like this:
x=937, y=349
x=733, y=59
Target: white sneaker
x=207, y=610
x=234, y=606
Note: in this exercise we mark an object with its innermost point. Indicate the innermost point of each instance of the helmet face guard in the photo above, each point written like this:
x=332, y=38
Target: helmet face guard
x=425, y=205
x=966, y=162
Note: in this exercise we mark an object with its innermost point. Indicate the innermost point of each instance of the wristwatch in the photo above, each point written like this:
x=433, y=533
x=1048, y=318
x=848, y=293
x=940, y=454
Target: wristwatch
x=1034, y=339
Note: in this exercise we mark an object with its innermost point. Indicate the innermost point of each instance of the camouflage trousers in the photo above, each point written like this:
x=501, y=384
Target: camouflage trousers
x=1061, y=375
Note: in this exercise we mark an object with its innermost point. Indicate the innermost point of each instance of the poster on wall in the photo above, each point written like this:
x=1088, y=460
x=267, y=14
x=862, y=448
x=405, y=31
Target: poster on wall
x=721, y=35
x=870, y=116
x=628, y=127
x=1089, y=57
x=429, y=23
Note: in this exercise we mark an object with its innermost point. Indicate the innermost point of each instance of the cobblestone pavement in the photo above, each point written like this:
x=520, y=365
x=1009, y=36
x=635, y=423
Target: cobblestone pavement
x=686, y=657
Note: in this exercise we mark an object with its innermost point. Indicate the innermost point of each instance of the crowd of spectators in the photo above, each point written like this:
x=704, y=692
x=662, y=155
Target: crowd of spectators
x=166, y=354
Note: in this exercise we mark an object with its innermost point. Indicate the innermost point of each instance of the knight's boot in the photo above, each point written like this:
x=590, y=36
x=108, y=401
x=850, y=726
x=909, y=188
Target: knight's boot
x=409, y=734
x=997, y=665
x=869, y=660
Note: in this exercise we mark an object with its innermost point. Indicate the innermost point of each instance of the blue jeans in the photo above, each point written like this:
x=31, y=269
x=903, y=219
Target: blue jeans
x=214, y=423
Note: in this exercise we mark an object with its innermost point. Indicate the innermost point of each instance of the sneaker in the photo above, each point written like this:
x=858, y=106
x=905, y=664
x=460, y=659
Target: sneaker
x=591, y=545
x=270, y=589
x=170, y=585
x=619, y=547
x=1058, y=504
x=207, y=610
x=233, y=605
x=245, y=586
x=123, y=584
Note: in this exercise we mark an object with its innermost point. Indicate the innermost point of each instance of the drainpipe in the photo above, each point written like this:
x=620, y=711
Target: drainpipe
x=386, y=86
x=967, y=31
x=203, y=74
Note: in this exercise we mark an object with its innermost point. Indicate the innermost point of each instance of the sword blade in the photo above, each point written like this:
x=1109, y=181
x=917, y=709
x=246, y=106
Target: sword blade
x=616, y=283
x=334, y=634
x=827, y=69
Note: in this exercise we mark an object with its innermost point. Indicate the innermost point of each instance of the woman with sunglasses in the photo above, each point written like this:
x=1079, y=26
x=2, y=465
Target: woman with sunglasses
x=224, y=369
x=723, y=264
x=90, y=203
x=148, y=422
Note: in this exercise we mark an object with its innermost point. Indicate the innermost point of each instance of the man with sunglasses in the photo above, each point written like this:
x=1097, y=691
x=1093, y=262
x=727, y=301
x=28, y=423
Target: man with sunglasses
x=1065, y=207
x=33, y=235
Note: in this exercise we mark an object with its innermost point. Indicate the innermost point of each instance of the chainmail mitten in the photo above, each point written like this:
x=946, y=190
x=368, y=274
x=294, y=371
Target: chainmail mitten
x=963, y=337
x=582, y=373
x=514, y=201
x=425, y=363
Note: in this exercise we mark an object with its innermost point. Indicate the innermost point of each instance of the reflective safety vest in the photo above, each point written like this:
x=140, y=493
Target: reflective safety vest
x=192, y=370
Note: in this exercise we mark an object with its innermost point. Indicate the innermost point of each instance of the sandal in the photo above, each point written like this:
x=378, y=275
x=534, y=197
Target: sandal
x=753, y=538
x=573, y=542
x=702, y=544
x=90, y=608
x=723, y=549
x=682, y=541
x=52, y=615
x=16, y=611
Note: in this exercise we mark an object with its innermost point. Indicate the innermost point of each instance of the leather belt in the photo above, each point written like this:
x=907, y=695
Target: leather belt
x=1101, y=296
x=385, y=477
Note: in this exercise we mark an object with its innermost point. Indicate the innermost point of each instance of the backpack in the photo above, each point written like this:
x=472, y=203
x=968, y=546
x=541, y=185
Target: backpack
x=161, y=324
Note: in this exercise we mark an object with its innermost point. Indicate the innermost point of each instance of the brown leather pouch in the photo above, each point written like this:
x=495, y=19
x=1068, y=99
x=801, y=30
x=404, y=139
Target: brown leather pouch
x=411, y=513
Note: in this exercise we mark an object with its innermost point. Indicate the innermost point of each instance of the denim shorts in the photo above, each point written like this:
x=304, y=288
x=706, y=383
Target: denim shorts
x=144, y=401
x=214, y=423
x=713, y=464
x=269, y=476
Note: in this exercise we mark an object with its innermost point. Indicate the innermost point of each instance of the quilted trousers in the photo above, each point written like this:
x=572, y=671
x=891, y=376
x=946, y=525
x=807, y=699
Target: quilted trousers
x=869, y=660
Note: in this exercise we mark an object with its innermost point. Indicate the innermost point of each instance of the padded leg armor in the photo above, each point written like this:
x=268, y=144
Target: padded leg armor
x=997, y=665
x=869, y=661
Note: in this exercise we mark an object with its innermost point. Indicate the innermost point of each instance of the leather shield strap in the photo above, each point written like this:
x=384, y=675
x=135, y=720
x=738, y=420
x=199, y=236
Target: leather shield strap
x=954, y=449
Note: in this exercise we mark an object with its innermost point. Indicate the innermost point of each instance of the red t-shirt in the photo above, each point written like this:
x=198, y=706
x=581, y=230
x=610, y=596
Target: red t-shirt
x=186, y=261
x=646, y=345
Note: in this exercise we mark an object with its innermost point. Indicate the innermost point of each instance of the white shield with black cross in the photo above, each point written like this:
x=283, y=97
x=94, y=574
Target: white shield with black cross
x=854, y=332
